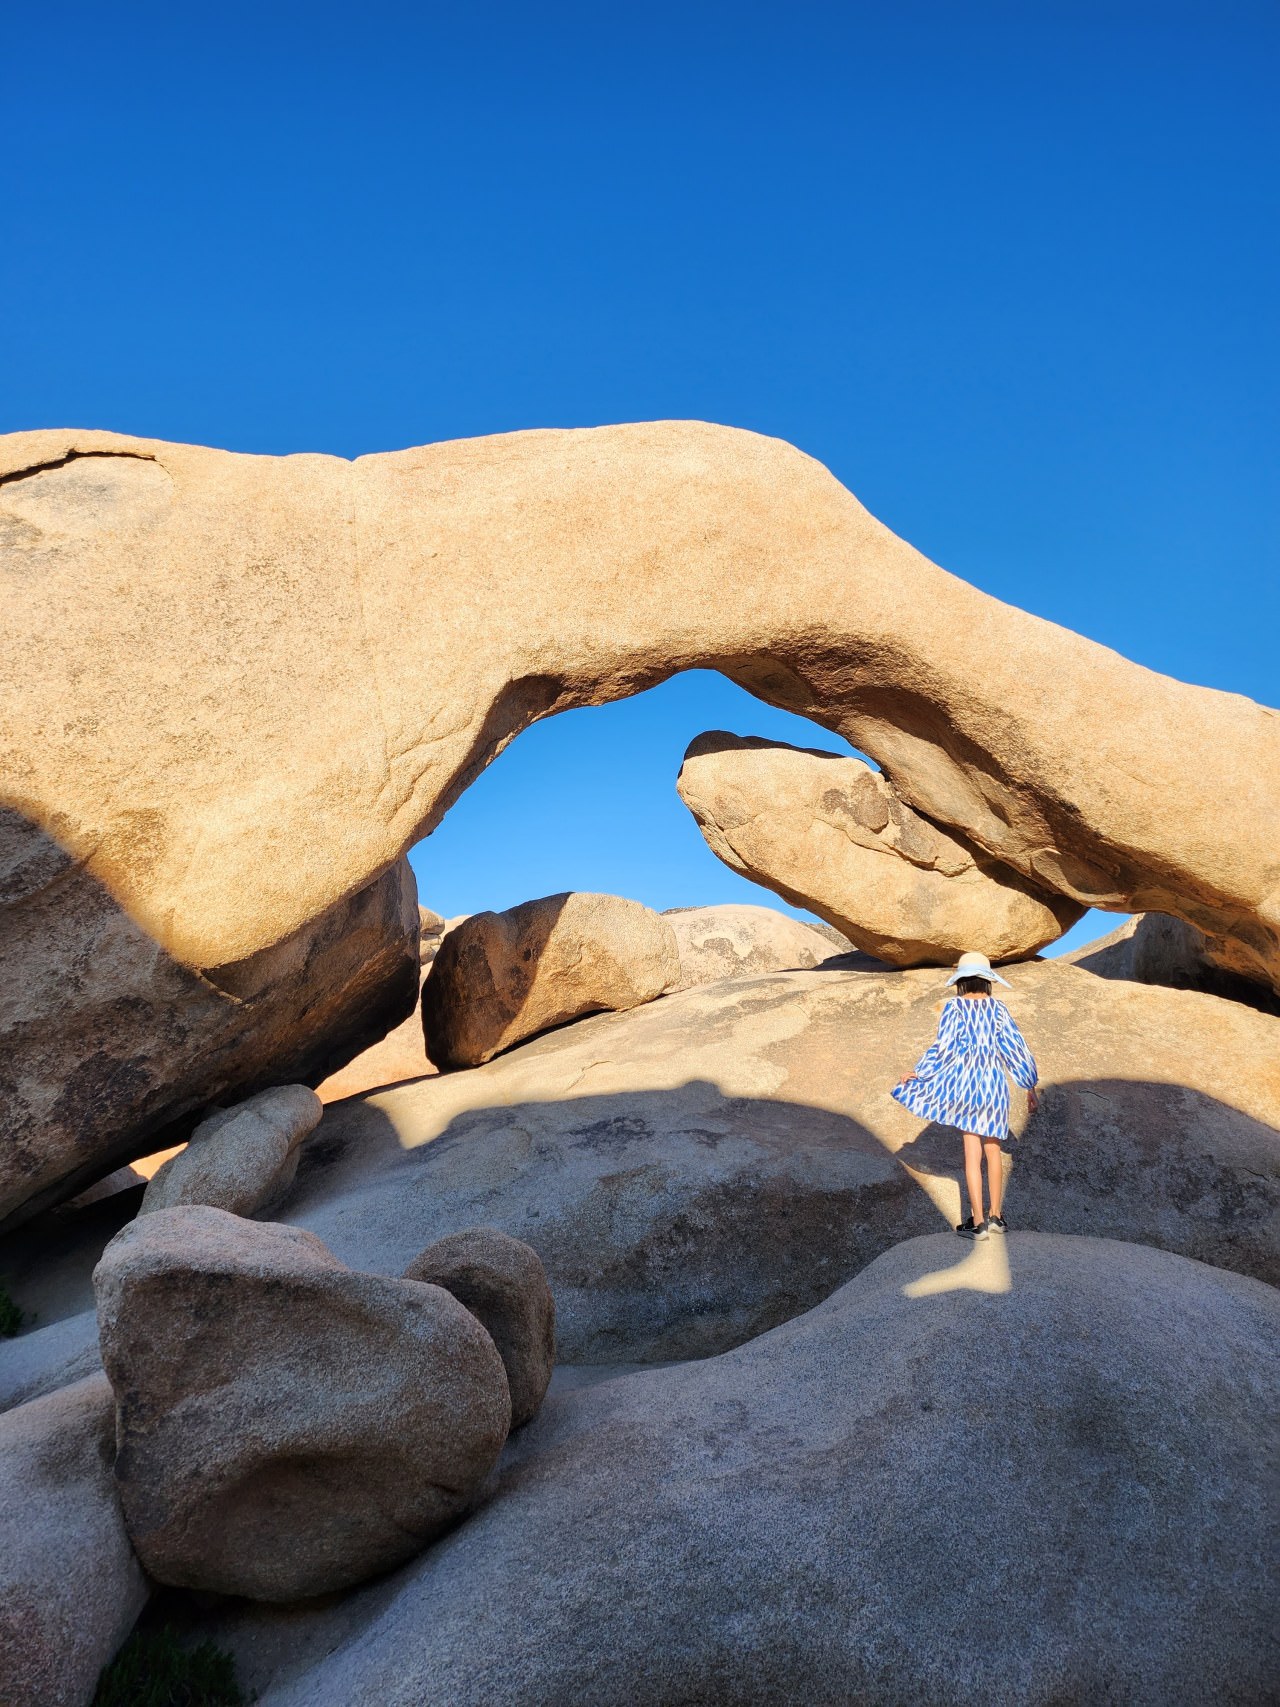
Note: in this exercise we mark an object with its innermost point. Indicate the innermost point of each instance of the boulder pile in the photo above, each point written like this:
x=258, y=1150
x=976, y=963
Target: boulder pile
x=285, y=1426
x=993, y=1475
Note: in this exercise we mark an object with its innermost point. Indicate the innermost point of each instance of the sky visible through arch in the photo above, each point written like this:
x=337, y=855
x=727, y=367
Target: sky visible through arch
x=1010, y=271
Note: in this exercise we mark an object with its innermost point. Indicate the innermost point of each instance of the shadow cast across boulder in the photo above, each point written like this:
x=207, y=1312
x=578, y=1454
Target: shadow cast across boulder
x=672, y=1223
x=678, y=1222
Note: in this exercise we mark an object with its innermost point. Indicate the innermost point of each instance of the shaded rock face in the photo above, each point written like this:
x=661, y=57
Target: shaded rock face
x=795, y=1520
x=106, y=1041
x=239, y=1158
x=504, y=1285
x=251, y=769
x=734, y=941
x=1155, y=949
x=402, y=1053
x=70, y=1586
x=501, y=977
x=286, y=1427
x=698, y=1170
x=825, y=832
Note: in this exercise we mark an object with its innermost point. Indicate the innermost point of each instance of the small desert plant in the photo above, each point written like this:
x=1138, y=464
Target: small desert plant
x=10, y=1316
x=152, y=1670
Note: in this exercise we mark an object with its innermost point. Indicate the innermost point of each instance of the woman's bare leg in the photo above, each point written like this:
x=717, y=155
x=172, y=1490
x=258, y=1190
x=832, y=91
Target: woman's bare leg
x=973, y=1174
x=995, y=1173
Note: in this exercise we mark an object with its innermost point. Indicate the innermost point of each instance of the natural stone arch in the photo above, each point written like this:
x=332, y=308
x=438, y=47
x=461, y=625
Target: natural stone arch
x=236, y=691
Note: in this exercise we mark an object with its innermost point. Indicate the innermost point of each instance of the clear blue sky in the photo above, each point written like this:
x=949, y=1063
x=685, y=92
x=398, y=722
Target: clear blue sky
x=1010, y=270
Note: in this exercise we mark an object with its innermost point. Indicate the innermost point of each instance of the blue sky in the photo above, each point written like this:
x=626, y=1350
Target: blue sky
x=1009, y=270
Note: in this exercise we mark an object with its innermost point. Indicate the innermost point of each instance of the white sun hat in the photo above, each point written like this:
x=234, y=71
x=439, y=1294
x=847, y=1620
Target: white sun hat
x=976, y=966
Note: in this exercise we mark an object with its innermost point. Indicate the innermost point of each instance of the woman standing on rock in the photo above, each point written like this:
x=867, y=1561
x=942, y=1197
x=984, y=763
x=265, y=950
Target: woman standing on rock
x=960, y=1081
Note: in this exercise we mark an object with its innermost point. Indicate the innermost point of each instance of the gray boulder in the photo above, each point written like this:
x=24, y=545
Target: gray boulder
x=994, y=1474
x=70, y=1586
x=286, y=1427
x=240, y=1158
x=504, y=1285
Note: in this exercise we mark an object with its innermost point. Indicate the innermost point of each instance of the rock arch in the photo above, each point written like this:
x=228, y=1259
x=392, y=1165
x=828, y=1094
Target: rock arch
x=235, y=692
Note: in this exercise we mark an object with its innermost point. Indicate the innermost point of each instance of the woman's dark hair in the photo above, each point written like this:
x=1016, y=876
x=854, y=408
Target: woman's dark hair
x=973, y=986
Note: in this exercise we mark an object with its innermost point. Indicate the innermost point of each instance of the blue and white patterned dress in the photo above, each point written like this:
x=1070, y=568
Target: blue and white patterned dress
x=960, y=1078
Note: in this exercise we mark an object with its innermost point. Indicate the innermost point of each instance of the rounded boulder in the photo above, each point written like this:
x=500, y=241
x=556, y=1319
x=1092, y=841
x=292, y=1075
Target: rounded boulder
x=502, y=1282
x=286, y=1426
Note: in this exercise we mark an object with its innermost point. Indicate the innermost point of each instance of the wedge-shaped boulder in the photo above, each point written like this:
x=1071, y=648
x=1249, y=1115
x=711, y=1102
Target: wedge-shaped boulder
x=736, y=939
x=286, y=1426
x=239, y=1158
x=827, y=833
x=500, y=977
x=70, y=1585
x=995, y=1476
x=504, y=1285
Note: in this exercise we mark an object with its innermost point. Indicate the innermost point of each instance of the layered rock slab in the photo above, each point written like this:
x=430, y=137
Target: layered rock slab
x=239, y=1158
x=700, y=1169
x=794, y=1520
x=286, y=1427
x=70, y=1585
x=498, y=978
x=735, y=940
x=504, y=1285
x=826, y=832
x=336, y=649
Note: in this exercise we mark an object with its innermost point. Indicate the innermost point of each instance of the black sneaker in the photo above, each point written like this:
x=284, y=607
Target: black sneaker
x=997, y=1223
x=967, y=1230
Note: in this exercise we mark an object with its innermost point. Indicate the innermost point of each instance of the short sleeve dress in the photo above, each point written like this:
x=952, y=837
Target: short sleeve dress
x=960, y=1079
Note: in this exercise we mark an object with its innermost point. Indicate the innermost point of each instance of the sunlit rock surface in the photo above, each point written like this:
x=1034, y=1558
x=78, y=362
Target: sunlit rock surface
x=735, y=940
x=498, y=978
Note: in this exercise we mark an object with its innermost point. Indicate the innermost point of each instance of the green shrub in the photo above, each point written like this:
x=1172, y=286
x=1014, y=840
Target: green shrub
x=152, y=1670
x=10, y=1316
